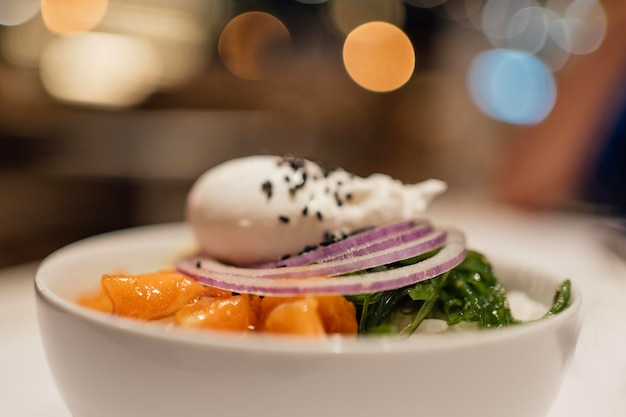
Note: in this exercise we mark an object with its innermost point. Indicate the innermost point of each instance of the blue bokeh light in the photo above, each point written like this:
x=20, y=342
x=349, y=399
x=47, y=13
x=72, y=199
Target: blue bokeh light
x=512, y=86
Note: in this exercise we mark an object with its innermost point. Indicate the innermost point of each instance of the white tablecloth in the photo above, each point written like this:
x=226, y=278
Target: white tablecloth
x=564, y=244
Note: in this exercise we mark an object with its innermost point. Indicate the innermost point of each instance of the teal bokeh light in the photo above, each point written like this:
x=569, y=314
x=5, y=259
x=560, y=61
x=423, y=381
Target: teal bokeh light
x=512, y=86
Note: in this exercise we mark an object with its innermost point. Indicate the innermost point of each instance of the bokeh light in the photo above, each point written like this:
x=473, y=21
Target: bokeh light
x=528, y=29
x=177, y=34
x=552, y=54
x=16, y=12
x=100, y=69
x=72, y=16
x=347, y=15
x=253, y=45
x=551, y=31
x=379, y=56
x=512, y=86
x=497, y=15
x=582, y=26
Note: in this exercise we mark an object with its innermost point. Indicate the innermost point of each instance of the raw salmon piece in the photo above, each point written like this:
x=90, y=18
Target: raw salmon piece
x=219, y=313
x=150, y=296
x=295, y=317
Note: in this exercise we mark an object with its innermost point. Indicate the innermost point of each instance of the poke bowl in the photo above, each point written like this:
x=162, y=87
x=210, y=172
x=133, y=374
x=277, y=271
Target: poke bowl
x=105, y=365
x=385, y=313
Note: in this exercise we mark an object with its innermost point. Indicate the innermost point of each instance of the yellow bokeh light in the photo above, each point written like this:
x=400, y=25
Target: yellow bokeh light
x=379, y=56
x=72, y=16
x=253, y=44
x=100, y=69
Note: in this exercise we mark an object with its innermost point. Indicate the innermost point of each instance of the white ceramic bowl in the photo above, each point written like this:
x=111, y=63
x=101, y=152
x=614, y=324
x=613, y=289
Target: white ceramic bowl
x=106, y=366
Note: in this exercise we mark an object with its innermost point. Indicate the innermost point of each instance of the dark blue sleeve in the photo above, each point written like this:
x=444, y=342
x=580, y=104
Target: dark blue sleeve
x=607, y=177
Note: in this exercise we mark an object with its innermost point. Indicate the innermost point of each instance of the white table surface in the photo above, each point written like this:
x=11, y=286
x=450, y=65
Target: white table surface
x=564, y=244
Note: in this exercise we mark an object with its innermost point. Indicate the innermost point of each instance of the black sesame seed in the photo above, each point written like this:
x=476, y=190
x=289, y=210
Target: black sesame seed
x=319, y=216
x=283, y=219
x=287, y=178
x=330, y=238
x=284, y=257
x=305, y=210
x=307, y=248
x=349, y=196
x=266, y=187
x=337, y=199
x=198, y=264
x=298, y=184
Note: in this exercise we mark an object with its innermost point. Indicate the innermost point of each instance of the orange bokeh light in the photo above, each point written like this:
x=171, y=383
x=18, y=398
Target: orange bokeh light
x=72, y=16
x=253, y=44
x=379, y=56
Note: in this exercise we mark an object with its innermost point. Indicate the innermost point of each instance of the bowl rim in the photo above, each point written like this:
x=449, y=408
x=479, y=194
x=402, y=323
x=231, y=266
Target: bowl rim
x=289, y=345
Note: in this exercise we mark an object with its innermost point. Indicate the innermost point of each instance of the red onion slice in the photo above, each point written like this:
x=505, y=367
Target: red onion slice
x=363, y=238
x=447, y=258
x=349, y=263
x=384, y=243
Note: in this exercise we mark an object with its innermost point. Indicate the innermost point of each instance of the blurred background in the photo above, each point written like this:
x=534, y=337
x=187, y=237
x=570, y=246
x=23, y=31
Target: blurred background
x=109, y=109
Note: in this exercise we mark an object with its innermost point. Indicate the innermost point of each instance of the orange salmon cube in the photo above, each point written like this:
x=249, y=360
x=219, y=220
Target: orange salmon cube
x=150, y=296
x=295, y=317
x=338, y=315
x=220, y=313
x=267, y=304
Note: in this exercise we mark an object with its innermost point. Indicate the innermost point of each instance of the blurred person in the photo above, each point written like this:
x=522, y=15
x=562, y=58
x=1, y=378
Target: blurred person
x=578, y=153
